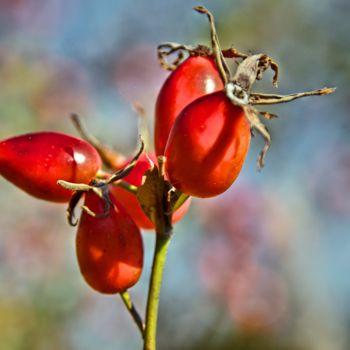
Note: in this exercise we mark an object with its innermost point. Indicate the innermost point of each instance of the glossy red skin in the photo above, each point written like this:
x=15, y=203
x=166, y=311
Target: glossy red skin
x=195, y=77
x=35, y=161
x=109, y=249
x=129, y=200
x=207, y=146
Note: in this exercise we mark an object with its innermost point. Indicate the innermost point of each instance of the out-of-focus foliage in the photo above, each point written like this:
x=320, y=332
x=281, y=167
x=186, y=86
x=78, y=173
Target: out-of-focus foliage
x=264, y=266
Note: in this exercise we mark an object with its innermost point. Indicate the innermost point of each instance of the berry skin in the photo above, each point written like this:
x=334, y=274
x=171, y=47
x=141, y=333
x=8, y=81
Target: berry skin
x=207, y=146
x=35, y=161
x=195, y=77
x=109, y=249
x=129, y=200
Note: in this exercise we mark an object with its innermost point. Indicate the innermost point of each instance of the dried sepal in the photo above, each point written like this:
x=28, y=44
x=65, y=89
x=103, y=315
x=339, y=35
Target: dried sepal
x=252, y=116
x=167, y=49
x=73, y=186
x=252, y=69
x=71, y=207
x=127, y=169
x=100, y=188
x=264, y=99
x=154, y=199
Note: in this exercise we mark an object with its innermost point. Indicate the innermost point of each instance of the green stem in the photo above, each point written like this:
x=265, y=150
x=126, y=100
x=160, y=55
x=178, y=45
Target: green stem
x=125, y=296
x=159, y=258
x=181, y=200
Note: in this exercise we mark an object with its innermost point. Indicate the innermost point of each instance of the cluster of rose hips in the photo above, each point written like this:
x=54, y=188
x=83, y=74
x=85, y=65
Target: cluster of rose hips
x=203, y=125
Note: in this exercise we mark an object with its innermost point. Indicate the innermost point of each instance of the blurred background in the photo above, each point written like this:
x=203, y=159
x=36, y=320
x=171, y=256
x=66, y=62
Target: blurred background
x=263, y=266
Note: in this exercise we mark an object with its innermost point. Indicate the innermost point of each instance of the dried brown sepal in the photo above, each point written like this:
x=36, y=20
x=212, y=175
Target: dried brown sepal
x=255, y=123
x=110, y=158
x=167, y=49
x=253, y=115
x=127, y=169
x=102, y=191
x=100, y=188
x=79, y=190
x=252, y=69
x=71, y=207
x=264, y=99
x=153, y=196
x=74, y=186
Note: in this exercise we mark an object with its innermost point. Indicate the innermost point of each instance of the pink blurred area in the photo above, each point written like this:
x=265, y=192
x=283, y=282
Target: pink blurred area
x=238, y=252
x=140, y=82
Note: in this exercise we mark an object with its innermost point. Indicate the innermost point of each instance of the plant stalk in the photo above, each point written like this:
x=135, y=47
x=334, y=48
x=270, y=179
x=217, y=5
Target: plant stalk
x=159, y=258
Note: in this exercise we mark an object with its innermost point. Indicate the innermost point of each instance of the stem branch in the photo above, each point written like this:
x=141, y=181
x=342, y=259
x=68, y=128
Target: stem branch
x=125, y=296
x=110, y=158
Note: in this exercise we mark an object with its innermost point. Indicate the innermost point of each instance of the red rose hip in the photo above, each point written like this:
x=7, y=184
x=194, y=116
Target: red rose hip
x=195, y=77
x=109, y=249
x=35, y=162
x=207, y=146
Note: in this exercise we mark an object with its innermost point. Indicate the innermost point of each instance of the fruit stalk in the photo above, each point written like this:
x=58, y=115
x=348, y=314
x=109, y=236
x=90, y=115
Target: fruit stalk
x=159, y=258
x=163, y=228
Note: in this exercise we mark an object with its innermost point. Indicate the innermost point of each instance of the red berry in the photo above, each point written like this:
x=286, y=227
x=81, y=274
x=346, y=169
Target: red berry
x=109, y=249
x=195, y=77
x=35, y=161
x=207, y=146
x=129, y=200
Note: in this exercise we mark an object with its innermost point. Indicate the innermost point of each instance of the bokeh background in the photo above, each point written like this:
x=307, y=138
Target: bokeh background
x=263, y=266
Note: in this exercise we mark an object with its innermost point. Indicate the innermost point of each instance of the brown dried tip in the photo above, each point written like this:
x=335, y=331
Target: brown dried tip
x=201, y=9
x=233, y=53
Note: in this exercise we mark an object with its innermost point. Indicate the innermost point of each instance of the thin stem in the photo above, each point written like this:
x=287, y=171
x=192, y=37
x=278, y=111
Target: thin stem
x=159, y=258
x=112, y=159
x=181, y=200
x=125, y=296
